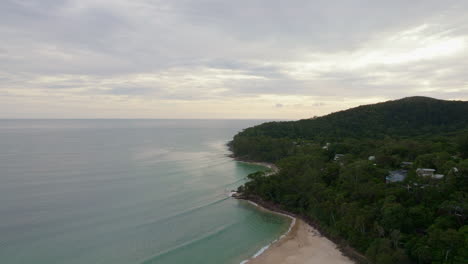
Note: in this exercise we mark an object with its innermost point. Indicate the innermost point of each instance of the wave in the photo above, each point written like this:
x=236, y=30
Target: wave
x=185, y=212
x=263, y=249
x=188, y=243
x=234, y=183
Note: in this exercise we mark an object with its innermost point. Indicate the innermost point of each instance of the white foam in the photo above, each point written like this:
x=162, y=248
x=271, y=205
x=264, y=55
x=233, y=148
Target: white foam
x=253, y=203
x=263, y=249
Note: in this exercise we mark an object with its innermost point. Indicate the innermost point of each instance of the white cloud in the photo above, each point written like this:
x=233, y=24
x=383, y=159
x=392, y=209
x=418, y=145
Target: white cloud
x=206, y=58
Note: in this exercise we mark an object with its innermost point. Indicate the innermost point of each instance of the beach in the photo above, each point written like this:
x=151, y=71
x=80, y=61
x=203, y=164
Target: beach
x=272, y=167
x=302, y=245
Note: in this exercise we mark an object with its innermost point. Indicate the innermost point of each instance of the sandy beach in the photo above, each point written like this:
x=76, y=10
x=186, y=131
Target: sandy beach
x=274, y=169
x=302, y=245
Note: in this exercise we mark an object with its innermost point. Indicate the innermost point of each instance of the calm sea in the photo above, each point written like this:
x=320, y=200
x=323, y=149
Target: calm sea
x=126, y=191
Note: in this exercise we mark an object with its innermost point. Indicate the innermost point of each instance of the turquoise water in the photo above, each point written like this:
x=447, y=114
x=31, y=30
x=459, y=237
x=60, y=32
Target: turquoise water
x=126, y=191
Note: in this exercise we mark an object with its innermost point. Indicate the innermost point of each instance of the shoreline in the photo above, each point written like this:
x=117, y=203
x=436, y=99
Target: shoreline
x=301, y=243
x=279, y=239
x=340, y=245
x=274, y=169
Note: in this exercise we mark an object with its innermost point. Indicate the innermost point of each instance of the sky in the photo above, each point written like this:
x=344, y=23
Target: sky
x=266, y=59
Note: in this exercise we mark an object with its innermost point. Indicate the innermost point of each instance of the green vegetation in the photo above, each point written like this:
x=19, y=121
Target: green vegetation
x=419, y=220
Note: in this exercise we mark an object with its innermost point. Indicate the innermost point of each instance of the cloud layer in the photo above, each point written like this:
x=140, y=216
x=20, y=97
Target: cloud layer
x=225, y=59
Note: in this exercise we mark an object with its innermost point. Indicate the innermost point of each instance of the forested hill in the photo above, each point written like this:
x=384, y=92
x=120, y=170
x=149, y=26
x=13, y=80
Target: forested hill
x=407, y=116
x=339, y=171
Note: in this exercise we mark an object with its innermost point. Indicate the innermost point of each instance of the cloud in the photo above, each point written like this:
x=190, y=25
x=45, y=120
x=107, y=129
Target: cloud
x=226, y=57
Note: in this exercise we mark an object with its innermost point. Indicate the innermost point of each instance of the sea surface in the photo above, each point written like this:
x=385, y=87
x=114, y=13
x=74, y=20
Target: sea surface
x=126, y=192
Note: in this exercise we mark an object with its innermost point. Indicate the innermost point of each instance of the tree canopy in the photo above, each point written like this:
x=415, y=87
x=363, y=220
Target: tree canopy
x=418, y=220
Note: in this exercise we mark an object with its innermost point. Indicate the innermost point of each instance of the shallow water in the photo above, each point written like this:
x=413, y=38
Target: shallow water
x=126, y=191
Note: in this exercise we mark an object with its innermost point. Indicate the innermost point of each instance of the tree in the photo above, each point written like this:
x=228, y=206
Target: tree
x=462, y=143
x=393, y=216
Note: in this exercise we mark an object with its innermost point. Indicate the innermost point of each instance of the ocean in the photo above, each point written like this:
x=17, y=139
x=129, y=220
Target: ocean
x=126, y=192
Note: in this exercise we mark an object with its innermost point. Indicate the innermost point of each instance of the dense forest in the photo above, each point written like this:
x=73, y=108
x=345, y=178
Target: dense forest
x=337, y=171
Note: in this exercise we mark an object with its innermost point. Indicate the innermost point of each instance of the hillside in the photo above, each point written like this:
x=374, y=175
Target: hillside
x=407, y=117
x=336, y=171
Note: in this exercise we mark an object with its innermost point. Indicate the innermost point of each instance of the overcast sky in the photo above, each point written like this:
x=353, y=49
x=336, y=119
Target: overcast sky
x=226, y=59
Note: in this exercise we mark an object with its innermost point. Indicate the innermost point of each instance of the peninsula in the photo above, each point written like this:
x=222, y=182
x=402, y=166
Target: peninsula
x=388, y=182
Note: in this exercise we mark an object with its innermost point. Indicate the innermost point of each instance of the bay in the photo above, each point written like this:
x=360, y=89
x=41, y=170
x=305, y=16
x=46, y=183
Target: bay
x=126, y=191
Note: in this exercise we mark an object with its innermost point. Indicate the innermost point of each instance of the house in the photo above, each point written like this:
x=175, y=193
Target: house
x=423, y=172
x=371, y=158
x=338, y=157
x=396, y=176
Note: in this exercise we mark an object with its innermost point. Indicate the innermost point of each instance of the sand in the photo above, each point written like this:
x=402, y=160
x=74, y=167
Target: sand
x=302, y=245
x=273, y=168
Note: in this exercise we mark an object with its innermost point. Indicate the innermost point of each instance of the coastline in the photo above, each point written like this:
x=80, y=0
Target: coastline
x=274, y=242
x=301, y=244
x=340, y=251
x=274, y=169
